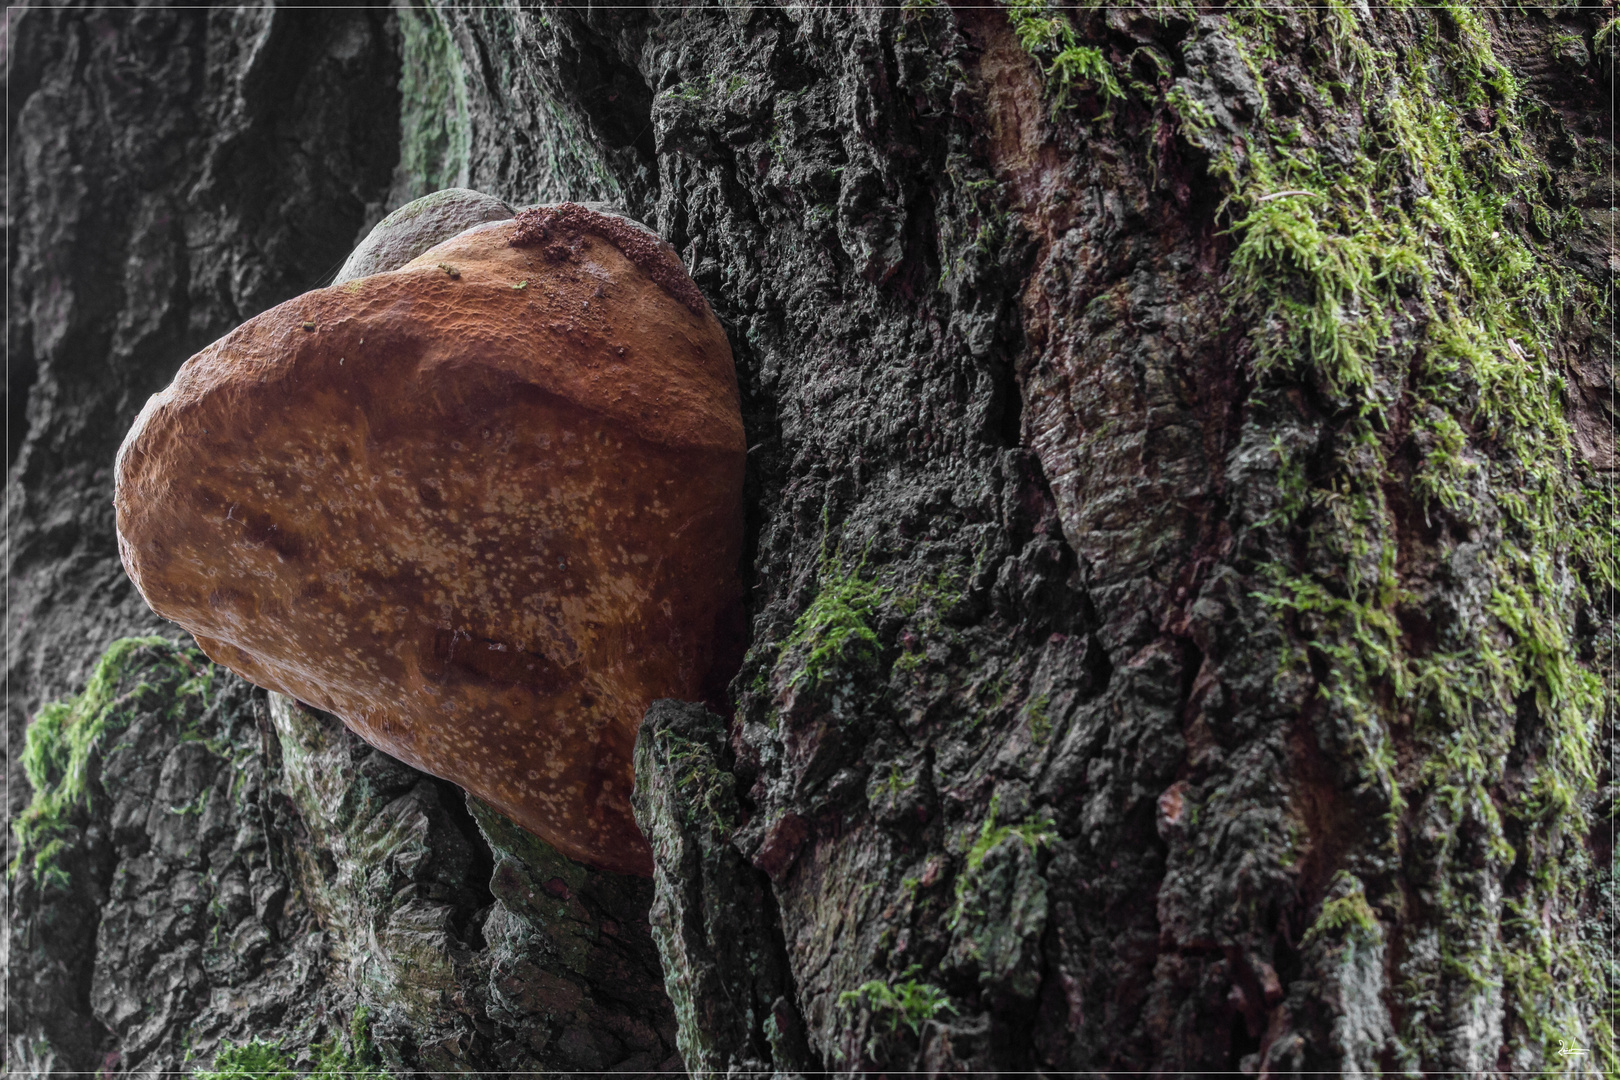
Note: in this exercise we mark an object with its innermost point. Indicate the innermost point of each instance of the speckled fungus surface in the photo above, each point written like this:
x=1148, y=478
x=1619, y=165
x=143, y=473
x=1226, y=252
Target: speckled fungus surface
x=485, y=508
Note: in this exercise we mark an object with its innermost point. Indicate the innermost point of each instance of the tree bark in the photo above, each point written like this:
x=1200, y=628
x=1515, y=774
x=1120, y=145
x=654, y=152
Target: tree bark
x=1181, y=568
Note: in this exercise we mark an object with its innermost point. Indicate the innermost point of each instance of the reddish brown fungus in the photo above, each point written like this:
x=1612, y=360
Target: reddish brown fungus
x=485, y=526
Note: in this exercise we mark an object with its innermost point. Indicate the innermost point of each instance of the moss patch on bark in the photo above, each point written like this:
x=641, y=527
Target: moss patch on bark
x=1398, y=253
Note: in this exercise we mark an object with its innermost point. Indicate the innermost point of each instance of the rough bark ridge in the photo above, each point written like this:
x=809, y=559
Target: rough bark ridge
x=1181, y=565
x=723, y=962
x=154, y=883
x=1182, y=568
x=470, y=943
x=160, y=191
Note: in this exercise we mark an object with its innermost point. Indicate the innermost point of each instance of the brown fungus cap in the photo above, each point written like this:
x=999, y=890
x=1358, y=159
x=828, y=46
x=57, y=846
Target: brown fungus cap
x=485, y=508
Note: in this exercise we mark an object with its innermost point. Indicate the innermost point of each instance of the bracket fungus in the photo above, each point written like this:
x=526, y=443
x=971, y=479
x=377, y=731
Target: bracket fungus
x=418, y=225
x=485, y=507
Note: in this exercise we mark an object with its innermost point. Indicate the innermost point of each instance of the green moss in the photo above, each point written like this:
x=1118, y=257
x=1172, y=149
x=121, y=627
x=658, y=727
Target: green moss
x=701, y=88
x=64, y=735
x=908, y=662
x=901, y=1001
x=982, y=226
x=1403, y=279
x=1443, y=478
x=1035, y=833
x=46, y=864
x=1049, y=37
x=200, y=685
x=705, y=786
x=255, y=1060
x=260, y=1060
x=913, y=10
x=1040, y=724
x=994, y=695
x=192, y=808
x=909, y=886
x=896, y=781
x=1196, y=119
x=933, y=598
x=834, y=630
x=1348, y=917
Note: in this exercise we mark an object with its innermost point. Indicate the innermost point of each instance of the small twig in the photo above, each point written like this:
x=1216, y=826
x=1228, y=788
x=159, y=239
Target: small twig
x=1282, y=195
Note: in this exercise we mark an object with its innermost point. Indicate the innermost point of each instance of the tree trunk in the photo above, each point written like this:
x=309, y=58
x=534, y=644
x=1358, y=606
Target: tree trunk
x=1180, y=561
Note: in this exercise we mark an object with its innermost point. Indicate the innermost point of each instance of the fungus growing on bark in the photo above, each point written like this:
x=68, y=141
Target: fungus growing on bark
x=486, y=517
x=419, y=225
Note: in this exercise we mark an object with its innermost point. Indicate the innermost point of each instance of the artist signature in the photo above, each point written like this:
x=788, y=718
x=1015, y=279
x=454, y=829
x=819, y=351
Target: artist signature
x=1572, y=1051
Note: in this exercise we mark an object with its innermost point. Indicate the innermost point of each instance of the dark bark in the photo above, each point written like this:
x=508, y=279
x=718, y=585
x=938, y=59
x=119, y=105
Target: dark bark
x=159, y=917
x=1180, y=530
x=173, y=173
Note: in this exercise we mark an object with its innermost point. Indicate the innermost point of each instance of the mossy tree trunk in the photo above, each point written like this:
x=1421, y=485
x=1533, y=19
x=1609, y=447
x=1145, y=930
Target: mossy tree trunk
x=1181, y=499
x=1184, y=570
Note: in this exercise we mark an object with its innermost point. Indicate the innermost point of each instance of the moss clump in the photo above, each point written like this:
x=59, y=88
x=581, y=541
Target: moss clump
x=896, y=781
x=1040, y=723
x=908, y=662
x=1049, y=37
x=260, y=1060
x=834, y=630
x=1347, y=917
x=65, y=735
x=708, y=790
x=254, y=1060
x=902, y=1001
x=1035, y=833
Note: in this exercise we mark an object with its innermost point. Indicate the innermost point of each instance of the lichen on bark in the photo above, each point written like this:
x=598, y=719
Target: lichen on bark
x=470, y=943
x=433, y=107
